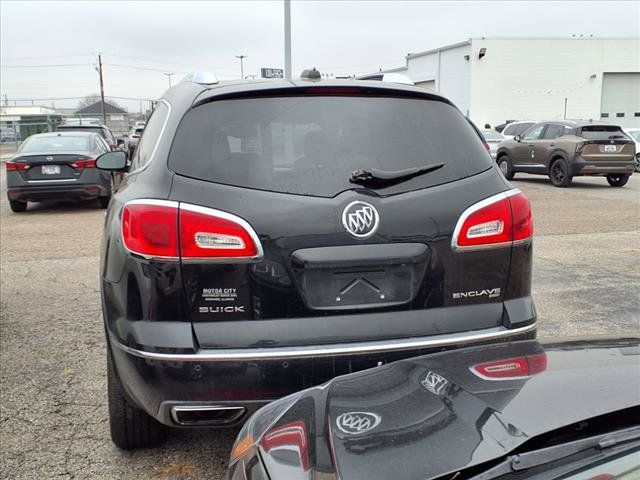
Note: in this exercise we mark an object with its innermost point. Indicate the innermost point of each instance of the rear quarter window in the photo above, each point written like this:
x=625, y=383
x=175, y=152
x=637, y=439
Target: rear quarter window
x=310, y=145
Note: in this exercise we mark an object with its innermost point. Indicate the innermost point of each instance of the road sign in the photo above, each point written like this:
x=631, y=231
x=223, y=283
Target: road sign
x=271, y=73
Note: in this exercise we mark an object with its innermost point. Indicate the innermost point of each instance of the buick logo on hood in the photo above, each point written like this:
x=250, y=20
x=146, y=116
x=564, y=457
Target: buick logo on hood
x=356, y=423
x=360, y=219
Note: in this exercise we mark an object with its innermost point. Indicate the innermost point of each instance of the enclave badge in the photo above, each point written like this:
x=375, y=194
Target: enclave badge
x=360, y=219
x=356, y=423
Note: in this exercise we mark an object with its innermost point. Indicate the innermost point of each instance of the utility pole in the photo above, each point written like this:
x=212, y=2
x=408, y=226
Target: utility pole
x=169, y=77
x=104, y=115
x=241, y=57
x=287, y=40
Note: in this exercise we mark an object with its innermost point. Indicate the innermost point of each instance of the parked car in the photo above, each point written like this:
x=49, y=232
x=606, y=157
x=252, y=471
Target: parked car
x=102, y=130
x=493, y=138
x=57, y=166
x=634, y=134
x=517, y=128
x=9, y=135
x=566, y=149
x=271, y=235
x=133, y=138
x=522, y=410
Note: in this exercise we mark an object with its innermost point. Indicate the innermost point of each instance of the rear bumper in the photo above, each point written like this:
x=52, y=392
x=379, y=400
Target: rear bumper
x=581, y=166
x=69, y=191
x=161, y=379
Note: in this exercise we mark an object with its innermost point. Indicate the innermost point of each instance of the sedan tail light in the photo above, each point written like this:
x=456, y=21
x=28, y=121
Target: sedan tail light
x=171, y=230
x=512, y=368
x=498, y=221
x=16, y=166
x=88, y=163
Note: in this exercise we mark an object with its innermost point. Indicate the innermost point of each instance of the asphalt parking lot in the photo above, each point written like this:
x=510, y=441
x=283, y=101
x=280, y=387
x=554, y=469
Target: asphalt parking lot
x=53, y=413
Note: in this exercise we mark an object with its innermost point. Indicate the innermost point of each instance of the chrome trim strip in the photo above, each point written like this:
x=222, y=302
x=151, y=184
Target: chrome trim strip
x=474, y=208
x=532, y=165
x=155, y=147
x=199, y=408
x=276, y=353
x=232, y=218
x=65, y=180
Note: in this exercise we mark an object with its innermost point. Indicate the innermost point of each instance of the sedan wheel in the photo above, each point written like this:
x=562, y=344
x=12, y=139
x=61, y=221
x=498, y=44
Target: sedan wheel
x=504, y=163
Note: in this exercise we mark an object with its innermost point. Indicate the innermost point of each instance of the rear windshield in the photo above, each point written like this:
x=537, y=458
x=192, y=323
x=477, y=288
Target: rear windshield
x=55, y=144
x=311, y=145
x=602, y=132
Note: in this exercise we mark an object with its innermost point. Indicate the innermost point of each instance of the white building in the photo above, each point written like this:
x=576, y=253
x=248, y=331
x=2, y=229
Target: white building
x=493, y=80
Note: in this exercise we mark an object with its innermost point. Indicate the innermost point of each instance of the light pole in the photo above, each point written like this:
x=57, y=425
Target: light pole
x=169, y=77
x=241, y=57
x=287, y=39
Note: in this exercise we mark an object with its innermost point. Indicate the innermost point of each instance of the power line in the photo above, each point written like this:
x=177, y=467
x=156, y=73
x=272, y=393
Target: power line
x=49, y=56
x=77, y=98
x=167, y=63
x=142, y=68
x=47, y=66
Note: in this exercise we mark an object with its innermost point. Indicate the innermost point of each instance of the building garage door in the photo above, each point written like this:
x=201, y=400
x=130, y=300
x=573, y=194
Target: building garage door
x=621, y=99
x=430, y=84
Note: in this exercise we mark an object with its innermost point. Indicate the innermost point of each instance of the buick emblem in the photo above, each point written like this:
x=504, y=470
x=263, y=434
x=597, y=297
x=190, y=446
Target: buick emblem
x=357, y=423
x=48, y=158
x=434, y=383
x=360, y=219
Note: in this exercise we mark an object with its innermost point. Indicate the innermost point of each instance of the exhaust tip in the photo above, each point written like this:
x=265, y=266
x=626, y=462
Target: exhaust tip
x=206, y=415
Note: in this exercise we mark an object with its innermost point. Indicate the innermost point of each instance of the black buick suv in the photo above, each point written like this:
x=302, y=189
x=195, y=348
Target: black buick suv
x=270, y=235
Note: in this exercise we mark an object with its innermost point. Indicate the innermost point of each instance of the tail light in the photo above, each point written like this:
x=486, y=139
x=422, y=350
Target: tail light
x=512, y=368
x=291, y=437
x=135, y=136
x=486, y=147
x=580, y=147
x=497, y=221
x=166, y=229
x=16, y=166
x=80, y=164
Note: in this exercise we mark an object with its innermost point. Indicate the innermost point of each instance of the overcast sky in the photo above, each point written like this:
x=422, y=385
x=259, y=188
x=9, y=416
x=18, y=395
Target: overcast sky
x=339, y=37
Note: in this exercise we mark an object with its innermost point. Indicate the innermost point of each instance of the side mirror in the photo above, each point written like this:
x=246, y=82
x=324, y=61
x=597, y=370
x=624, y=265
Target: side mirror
x=115, y=161
x=517, y=138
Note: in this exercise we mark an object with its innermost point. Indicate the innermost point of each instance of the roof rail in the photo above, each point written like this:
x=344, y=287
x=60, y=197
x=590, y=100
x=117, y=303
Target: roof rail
x=201, y=78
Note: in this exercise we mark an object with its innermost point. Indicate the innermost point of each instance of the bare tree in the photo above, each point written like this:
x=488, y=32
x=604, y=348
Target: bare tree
x=95, y=98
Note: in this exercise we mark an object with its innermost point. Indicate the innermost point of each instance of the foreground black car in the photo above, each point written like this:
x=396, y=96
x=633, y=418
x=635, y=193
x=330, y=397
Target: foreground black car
x=58, y=166
x=567, y=410
x=269, y=236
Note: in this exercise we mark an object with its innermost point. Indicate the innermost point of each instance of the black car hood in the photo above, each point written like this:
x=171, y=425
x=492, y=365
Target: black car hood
x=435, y=415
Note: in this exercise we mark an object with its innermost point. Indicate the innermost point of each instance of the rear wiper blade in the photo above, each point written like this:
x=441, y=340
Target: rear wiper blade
x=535, y=458
x=382, y=178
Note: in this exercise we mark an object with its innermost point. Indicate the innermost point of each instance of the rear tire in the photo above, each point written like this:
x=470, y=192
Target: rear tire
x=17, y=206
x=617, y=180
x=104, y=201
x=130, y=427
x=506, y=167
x=559, y=173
